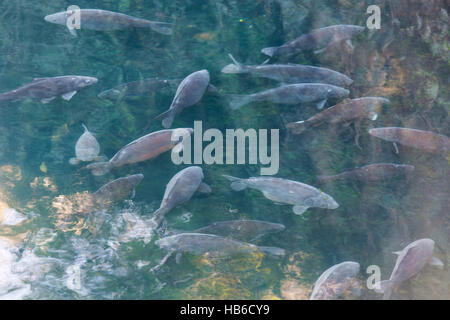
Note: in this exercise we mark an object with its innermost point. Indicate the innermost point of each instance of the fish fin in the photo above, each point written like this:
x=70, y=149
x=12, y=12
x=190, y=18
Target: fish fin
x=385, y=287
x=212, y=89
x=162, y=27
x=133, y=194
x=73, y=32
x=272, y=251
x=321, y=104
x=397, y=252
x=373, y=116
x=234, y=67
x=237, y=184
x=436, y=262
x=67, y=96
x=99, y=168
x=349, y=43
x=238, y=100
x=178, y=257
x=74, y=161
x=298, y=210
x=265, y=61
x=269, y=51
x=47, y=100
x=395, y=147
x=204, y=188
x=101, y=159
x=320, y=50
x=297, y=127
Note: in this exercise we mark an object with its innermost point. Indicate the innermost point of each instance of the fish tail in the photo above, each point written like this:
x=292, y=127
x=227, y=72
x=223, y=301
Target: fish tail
x=385, y=287
x=99, y=168
x=234, y=67
x=167, y=118
x=269, y=51
x=297, y=127
x=272, y=251
x=237, y=184
x=158, y=216
x=238, y=100
x=160, y=27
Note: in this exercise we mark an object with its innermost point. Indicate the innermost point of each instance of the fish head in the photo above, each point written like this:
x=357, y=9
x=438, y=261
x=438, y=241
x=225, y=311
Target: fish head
x=355, y=30
x=337, y=92
x=324, y=201
x=82, y=81
x=203, y=74
x=135, y=179
x=405, y=168
x=57, y=18
x=196, y=170
x=346, y=81
x=111, y=94
x=164, y=243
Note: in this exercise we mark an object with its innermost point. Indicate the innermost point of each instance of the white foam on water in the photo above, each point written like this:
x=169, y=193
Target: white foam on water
x=11, y=217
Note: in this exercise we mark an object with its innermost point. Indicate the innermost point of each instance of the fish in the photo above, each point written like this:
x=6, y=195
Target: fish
x=348, y=110
x=371, y=173
x=199, y=244
x=300, y=195
x=290, y=73
x=136, y=88
x=243, y=230
x=180, y=190
x=410, y=261
x=189, y=92
x=87, y=148
x=142, y=149
x=116, y=190
x=47, y=89
x=337, y=281
x=103, y=20
x=298, y=93
x=317, y=39
x=426, y=141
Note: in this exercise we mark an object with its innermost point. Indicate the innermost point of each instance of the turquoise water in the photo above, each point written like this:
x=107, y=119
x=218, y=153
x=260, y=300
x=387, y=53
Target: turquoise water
x=407, y=61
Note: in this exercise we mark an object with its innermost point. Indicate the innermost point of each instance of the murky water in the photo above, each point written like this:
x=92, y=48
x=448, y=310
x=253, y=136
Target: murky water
x=49, y=250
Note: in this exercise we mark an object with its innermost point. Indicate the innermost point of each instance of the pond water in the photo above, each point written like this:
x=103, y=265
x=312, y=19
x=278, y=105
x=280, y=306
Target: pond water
x=53, y=246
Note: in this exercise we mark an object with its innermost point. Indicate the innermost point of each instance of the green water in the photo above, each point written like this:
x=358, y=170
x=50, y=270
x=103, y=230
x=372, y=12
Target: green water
x=407, y=61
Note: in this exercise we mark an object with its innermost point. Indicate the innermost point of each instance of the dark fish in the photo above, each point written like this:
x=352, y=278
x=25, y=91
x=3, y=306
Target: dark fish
x=336, y=281
x=317, y=93
x=371, y=173
x=103, y=20
x=144, y=148
x=47, y=89
x=198, y=243
x=180, y=189
x=426, y=141
x=348, y=110
x=410, y=261
x=243, y=230
x=300, y=195
x=189, y=93
x=315, y=40
x=291, y=73
x=116, y=190
x=136, y=88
